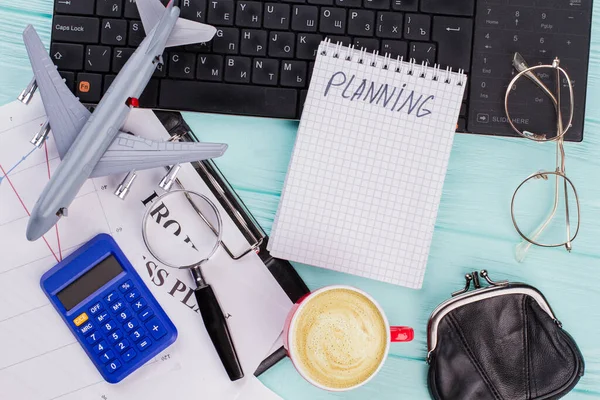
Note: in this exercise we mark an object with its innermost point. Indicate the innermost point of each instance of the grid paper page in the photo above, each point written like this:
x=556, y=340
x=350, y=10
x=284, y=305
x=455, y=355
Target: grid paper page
x=366, y=175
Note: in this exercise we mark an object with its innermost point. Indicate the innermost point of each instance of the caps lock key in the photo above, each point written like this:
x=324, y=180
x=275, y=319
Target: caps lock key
x=75, y=29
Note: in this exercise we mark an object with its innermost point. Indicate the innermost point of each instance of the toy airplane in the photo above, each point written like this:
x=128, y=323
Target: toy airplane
x=92, y=145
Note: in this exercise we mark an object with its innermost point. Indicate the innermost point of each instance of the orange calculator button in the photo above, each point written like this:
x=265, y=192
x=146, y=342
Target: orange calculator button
x=81, y=319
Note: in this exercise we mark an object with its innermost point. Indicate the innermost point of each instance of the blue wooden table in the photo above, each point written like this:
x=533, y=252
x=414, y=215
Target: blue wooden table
x=473, y=230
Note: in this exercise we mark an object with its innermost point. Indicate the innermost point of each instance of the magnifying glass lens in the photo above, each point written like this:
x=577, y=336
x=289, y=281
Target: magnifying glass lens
x=182, y=228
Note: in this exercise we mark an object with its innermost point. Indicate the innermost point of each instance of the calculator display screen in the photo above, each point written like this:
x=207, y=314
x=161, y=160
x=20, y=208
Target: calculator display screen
x=89, y=282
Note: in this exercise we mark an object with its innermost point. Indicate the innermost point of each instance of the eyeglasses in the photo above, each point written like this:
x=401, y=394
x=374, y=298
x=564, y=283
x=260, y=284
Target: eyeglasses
x=537, y=189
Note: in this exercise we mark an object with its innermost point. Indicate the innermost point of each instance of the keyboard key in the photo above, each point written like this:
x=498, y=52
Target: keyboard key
x=75, y=29
x=348, y=3
x=83, y=7
x=137, y=334
x=144, y=344
x=100, y=347
x=368, y=44
x=131, y=10
x=96, y=308
x=139, y=304
x=103, y=317
x=145, y=314
x=209, y=68
x=120, y=57
x=131, y=325
x=307, y=45
x=321, y=2
x=293, y=73
x=111, y=297
x=124, y=315
x=161, y=69
x=360, y=23
x=80, y=319
x=93, y=337
x=344, y=40
x=108, y=80
x=277, y=16
x=237, y=69
x=106, y=357
x=114, y=32
x=389, y=25
x=109, y=8
x=405, y=5
x=454, y=7
x=67, y=56
x=254, y=42
x=216, y=97
x=249, y=14
x=122, y=345
x=149, y=97
x=377, y=4
x=117, y=306
x=454, y=37
x=422, y=52
x=129, y=355
x=265, y=71
x=69, y=78
x=89, y=87
x=395, y=48
x=156, y=328
x=182, y=66
x=194, y=10
x=220, y=12
x=136, y=33
x=416, y=26
x=281, y=44
x=109, y=326
x=125, y=287
x=304, y=18
x=226, y=40
x=113, y=366
x=115, y=336
x=98, y=58
x=333, y=20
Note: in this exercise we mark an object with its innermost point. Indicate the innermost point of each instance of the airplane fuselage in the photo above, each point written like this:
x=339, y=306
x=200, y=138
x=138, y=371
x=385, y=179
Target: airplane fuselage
x=101, y=129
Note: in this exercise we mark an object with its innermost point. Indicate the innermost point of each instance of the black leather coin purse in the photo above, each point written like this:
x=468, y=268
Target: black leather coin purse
x=501, y=341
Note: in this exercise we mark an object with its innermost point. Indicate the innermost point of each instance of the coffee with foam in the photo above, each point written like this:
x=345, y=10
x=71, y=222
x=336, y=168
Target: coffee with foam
x=339, y=338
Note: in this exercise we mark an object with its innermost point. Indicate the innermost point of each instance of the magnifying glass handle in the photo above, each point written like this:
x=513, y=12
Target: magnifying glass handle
x=216, y=325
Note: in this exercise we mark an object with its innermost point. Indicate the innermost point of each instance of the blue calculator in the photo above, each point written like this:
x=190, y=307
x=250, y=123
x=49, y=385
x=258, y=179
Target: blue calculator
x=109, y=309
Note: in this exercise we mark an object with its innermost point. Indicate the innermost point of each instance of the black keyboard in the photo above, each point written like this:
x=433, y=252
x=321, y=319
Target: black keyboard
x=260, y=61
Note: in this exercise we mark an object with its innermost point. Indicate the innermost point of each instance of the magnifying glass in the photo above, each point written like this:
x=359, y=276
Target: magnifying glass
x=182, y=229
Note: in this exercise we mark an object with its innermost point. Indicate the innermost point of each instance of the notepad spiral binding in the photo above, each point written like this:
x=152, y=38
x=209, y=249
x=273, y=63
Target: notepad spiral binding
x=398, y=64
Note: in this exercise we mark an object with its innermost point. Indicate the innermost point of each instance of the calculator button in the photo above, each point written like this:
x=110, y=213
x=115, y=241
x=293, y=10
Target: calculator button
x=124, y=315
x=93, y=338
x=131, y=325
x=139, y=304
x=106, y=357
x=132, y=296
x=137, y=334
x=115, y=336
x=103, y=317
x=109, y=326
x=145, y=314
x=112, y=297
x=129, y=354
x=96, y=308
x=156, y=328
x=116, y=307
x=122, y=345
x=87, y=328
x=144, y=344
x=113, y=366
x=124, y=287
x=100, y=347
x=81, y=319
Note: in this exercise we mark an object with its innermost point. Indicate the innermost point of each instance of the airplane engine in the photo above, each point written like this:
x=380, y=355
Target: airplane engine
x=40, y=137
x=27, y=94
x=123, y=189
x=167, y=182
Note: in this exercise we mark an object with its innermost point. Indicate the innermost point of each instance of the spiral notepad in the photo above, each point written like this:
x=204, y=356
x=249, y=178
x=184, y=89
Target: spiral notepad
x=366, y=175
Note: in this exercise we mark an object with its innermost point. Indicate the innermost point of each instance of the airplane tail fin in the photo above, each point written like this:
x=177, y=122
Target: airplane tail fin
x=184, y=32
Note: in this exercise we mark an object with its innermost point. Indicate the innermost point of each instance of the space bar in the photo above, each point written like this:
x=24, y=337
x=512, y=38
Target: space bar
x=223, y=98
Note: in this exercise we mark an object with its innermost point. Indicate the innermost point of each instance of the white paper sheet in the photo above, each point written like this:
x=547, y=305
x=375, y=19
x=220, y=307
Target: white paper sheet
x=40, y=358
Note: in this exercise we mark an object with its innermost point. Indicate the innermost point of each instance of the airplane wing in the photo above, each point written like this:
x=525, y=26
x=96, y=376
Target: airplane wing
x=128, y=152
x=190, y=32
x=66, y=114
